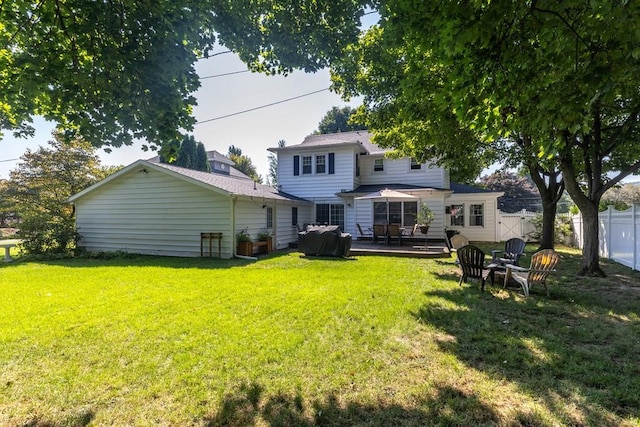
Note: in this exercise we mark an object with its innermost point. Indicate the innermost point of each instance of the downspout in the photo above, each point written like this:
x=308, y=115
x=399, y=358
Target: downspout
x=234, y=244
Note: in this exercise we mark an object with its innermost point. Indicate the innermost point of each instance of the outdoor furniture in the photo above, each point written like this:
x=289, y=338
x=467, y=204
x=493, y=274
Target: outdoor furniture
x=380, y=232
x=394, y=231
x=362, y=234
x=324, y=241
x=542, y=265
x=513, y=250
x=7, y=245
x=471, y=260
x=458, y=241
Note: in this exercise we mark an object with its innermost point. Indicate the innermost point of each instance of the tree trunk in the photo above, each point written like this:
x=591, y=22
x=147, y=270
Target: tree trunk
x=591, y=250
x=549, y=208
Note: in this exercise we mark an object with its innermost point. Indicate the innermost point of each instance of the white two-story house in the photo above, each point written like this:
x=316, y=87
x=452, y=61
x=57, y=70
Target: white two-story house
x=341, y=173
x=154, y=208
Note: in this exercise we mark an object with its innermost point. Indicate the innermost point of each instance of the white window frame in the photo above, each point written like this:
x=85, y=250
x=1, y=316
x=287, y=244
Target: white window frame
x=377, y=162
x=321, y=156
x=310, y=159
x=412, y=163
x=473, y=216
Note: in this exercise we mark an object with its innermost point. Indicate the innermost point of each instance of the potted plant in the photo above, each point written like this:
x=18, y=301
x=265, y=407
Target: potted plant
x=244, y=244
x=265, y=236
x=424, y=218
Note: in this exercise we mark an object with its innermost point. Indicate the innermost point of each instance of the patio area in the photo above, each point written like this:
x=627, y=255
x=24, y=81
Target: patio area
x=415, y=249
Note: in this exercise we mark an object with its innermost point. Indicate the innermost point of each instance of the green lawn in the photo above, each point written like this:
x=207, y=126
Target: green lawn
x=290, y=340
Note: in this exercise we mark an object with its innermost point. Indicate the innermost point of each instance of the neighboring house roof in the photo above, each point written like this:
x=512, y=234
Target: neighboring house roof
x=360, y=138
x=214, y=155
x=230, y=185
x=470, y=189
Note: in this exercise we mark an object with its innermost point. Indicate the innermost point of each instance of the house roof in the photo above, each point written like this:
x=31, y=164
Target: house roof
x=469, y=189
x=231, y=185
x=365, y=189
x=360, y=138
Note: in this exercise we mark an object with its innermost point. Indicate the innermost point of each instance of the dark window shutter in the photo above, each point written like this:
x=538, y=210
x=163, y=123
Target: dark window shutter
x=296, y=165
x=332, y=163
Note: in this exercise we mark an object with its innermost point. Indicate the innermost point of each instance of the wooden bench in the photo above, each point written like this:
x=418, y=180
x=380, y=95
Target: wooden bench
x=263, y=246
x=7, y=245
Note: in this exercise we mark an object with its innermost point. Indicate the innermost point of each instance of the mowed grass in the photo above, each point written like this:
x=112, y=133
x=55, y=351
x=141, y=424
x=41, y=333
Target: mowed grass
x=290, y=340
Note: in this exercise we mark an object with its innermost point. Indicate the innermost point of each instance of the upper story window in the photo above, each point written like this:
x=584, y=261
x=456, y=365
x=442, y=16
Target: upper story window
x=324, y=164
x=306, y=165
x=415, y=165
x=378, y=165
x=321, y=163
x=476, y=215
x=357, y=165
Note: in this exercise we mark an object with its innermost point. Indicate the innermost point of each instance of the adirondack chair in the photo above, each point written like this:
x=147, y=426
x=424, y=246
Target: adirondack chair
x=542, y=265
x=471, y=261
x=513, y=250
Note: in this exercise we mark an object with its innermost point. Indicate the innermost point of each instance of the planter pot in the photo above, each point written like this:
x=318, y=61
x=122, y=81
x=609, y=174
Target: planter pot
x=424, y=229
x=245, y=248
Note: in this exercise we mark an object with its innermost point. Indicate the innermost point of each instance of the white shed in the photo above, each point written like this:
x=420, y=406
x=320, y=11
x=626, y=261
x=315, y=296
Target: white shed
x=160, y=209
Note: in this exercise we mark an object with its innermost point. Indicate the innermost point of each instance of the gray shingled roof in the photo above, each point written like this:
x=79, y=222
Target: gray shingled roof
x=233, y=185
x=371, y=188
x=469, y=189
x=360, y=137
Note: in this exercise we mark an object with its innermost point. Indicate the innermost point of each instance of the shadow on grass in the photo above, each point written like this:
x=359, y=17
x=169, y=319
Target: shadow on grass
x=577, y=349
x=250, y=404
x=80, y=419
x=136, y=260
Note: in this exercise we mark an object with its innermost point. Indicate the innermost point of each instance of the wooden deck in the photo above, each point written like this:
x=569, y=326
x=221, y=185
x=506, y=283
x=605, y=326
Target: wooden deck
x=417, y=249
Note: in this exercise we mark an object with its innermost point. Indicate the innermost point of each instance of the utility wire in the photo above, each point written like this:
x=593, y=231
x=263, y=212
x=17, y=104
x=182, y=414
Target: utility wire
x=262, y=106
x=9, y=160
x=224, y=74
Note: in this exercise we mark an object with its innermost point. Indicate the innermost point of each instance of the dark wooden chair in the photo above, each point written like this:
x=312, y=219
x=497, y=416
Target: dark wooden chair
x=471, y=261
x=394, y=232
x=513, y=251
x=379, y=232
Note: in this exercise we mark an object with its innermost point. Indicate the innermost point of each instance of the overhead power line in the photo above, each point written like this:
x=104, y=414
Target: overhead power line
x=262, y=106
x=9, y=160
x=224, y=74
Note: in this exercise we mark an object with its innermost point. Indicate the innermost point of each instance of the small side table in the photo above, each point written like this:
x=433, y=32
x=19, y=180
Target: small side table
x=210, y=237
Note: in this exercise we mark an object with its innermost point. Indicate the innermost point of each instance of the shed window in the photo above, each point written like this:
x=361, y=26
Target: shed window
x=457, y=215
x=269, y=217
x=476, y=215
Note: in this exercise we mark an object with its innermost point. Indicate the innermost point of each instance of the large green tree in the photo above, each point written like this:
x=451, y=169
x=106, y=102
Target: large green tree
x=41, y=184
x=112, y=71
x=243, y=163
x=560, y=76
x=339, y=120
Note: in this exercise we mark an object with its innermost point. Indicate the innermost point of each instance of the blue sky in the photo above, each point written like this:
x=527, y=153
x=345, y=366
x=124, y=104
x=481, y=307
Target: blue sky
x=253, y=132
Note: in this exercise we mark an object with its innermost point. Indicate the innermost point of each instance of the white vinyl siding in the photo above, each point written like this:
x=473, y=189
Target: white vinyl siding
x=311, y=186
x=397, y=171
x=486, y=232
x=154, y=214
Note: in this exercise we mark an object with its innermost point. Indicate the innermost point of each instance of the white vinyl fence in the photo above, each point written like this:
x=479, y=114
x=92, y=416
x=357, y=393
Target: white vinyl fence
x=619, y=235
